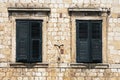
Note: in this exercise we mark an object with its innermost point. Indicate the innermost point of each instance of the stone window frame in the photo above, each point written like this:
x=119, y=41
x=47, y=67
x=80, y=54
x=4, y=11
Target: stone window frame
x=84, y=14
x=43, y=15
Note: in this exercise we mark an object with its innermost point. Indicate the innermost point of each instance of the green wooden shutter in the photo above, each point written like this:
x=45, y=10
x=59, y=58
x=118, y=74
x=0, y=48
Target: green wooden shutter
x=82, y=41
x=36, y=41
x=22, y=41
x=96, y=41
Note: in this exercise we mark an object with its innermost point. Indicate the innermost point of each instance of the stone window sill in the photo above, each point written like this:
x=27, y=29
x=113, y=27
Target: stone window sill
x=29, y=65
x=89, y=65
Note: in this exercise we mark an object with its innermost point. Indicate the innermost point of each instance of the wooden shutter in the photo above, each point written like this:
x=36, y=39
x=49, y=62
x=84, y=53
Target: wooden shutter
x=96, y=41
x=36, y=41
x=82, y=41
x=22, y=41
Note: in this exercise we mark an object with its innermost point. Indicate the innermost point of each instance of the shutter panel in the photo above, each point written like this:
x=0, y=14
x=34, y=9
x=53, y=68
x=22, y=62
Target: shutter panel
x=82, y=42
x=96, y=42
x=22, y=41
x=36, y=41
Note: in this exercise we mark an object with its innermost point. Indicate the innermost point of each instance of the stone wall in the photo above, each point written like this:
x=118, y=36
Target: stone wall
x=58, y=74
x=59, y=31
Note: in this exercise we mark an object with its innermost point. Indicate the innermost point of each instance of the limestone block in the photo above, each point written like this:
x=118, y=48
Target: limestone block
x=95, y=1
x=103, y=1
x=53, y=20
x=54, y=33
x=118, y=20
x=66, y=20
x=23, y=1
x=3, y=64
x=116, y=38
x=53, y=1
x=110, y=20
x=113, y=51
x=50, y=29
x=54, y=15
x=1, y=1
x=19, y=78
x=111, y=47
x=116, y=44
x=25, y=78
x=41, y=1
x=1, y=20
x=53, y=10
x=36, y=1
x=41, y=70
x=74, y=1
x=46, y=1
x=1, y=46
x=62, y=70
x=100, y=74
x=38, y=73
x=115, y=20
x=114, y=70
x=55, y=29
x=117, y=34
x=59, y=1
x=86, y=1
x=55, y=6
x=102, y=70
x=1, y=30
x=12, y=1
x=45, y=74
x=66, y=5
x=80, y=78
x=2, y=56
x=111, y=34
x=80, y=1
x=61, y=5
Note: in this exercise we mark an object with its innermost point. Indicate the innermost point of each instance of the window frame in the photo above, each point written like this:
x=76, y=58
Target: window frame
x=44, y=33
x=29, y=54
x=89, y=39
x=76, y=16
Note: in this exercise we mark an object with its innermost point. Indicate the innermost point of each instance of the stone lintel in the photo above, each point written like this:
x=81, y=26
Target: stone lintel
x=89, y=9
x=11, y=9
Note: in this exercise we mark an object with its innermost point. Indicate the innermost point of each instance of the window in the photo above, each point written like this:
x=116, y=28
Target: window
x=89, y=41
x=28, y=40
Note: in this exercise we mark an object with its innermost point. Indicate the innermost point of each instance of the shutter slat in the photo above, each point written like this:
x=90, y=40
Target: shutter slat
x=82, y=41
x=22, y=41
x=96, y=42
x=36, y=41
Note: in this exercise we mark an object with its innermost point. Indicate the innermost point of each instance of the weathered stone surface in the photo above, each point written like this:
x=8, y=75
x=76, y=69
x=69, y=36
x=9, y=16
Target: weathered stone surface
x=59, y=27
